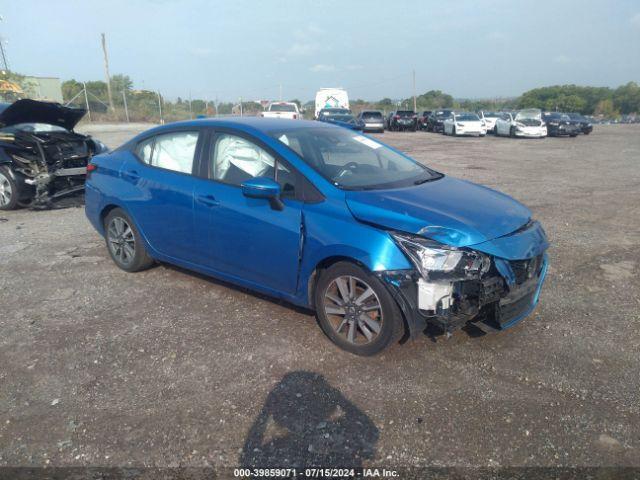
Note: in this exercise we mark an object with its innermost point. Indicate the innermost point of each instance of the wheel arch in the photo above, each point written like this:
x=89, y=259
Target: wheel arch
x=323, y=265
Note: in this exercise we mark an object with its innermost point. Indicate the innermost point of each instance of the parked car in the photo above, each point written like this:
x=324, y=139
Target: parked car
x=404, y=120
x=583, y=122
x=464, y=123
x=560, y=124
x=346, y=120
x=325, y=113
x=287, y=110
x=524, y=123
x=330, y=98
x=435, y=122
x=489, y=119
x=41, y=158
x=372, y=121
x=422, y=119
x=323, y=218
x=504, y=123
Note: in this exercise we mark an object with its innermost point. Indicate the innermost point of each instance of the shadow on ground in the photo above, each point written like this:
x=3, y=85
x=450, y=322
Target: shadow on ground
x=306, y=422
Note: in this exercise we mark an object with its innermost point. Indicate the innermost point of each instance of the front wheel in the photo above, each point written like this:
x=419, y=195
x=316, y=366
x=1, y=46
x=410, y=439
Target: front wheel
x=355, y=310
x=9, y=194
x=124, y=242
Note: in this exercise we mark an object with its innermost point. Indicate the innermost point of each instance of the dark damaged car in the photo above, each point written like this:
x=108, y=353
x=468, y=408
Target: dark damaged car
x=41, y=158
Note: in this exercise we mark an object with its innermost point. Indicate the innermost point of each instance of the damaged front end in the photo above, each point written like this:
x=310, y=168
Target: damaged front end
x=48, y=160
x=50, y=164
x=451, y=287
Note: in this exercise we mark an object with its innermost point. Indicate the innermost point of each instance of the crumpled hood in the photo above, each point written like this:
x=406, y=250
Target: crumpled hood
x=32, y=111
x=451, y=211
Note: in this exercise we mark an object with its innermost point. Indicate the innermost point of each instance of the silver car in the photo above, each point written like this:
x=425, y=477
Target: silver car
x=372, y=121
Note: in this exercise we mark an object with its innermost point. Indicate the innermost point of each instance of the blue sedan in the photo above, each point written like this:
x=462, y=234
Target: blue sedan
x=322, y=217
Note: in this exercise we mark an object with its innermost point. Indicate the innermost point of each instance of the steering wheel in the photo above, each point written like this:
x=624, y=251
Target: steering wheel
x=348, y=168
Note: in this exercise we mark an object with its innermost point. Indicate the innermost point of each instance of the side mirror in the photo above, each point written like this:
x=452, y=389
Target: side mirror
x=263, y=187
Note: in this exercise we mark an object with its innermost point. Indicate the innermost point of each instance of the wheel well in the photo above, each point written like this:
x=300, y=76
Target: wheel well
x=105, y=211
x=323, y=265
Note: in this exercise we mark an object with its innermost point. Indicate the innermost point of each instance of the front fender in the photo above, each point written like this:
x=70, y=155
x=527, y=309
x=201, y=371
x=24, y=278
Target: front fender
x=330, y=231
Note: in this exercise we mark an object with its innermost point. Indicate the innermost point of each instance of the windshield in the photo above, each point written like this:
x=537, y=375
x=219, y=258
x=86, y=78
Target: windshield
x=282, y=107
x=443, y=114
x=353, y=162
x=372, y=115
x=558, y=116
x=33, y=127
x=405, y=113
x=490, y=114
x=343, y=118
x=334, y=111
x=467, y=117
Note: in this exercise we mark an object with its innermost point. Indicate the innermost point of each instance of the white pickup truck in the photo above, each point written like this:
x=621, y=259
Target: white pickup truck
x=287, y=110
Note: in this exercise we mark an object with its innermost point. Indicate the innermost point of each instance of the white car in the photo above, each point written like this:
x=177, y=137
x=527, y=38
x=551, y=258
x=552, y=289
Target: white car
x=526, y=123
x=489, y=120
x=288, y=110
x=464, y=123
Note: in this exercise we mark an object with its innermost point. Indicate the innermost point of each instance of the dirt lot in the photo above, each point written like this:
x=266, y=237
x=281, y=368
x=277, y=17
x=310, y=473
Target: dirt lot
x=165, y=367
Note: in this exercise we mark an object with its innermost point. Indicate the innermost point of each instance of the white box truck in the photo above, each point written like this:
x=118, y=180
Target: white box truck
x=331, y=98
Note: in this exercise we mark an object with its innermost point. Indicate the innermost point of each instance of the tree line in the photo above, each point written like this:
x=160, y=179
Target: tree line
x=145, y=105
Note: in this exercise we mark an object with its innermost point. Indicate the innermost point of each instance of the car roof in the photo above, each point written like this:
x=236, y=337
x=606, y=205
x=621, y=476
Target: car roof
x=248, y=124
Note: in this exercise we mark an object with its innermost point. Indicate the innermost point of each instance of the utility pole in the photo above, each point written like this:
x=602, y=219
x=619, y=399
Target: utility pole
x=106, y=71
x=190, y=108
x=4, y=55
x=240, y=106
x=124, y=100
x=86, y=100
x=160, y=108
x=415, y=105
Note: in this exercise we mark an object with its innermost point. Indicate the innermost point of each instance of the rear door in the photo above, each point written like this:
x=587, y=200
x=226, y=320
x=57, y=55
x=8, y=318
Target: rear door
x=245, y=237
x=161, y=174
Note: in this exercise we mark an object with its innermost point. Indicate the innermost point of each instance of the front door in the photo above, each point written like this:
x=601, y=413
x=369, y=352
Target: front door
x=245, y=237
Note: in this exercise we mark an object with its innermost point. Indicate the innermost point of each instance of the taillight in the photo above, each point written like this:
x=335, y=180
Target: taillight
x=397, y=117
x=91, y=167
x=295, y=116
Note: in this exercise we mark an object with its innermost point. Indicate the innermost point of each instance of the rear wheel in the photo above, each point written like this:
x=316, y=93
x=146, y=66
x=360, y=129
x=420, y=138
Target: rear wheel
x=355, y=310
x=9, y=194
x=124, y=242
x=512, y=132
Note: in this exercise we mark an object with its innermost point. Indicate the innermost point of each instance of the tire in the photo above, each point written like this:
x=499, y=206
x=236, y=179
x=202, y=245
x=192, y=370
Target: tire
x=453, y=131
x=124, y=242
x=512, y=132
x=9, y=192
x=344, y=327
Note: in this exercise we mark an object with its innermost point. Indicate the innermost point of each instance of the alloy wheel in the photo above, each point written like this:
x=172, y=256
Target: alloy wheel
x=122, y=243
x=353, y=309
x=5, y=190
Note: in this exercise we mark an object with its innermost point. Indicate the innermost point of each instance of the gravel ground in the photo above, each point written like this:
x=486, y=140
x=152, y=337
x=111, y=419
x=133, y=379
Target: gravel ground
x=169, y=368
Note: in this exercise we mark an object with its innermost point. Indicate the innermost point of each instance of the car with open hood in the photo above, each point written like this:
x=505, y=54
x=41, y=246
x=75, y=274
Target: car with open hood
x=41, y=158
x=377, y=244
x=525, y=123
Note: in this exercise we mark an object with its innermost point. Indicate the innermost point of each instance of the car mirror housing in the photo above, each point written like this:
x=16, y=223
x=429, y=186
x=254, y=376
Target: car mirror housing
x=260, y=187
x=263, y=187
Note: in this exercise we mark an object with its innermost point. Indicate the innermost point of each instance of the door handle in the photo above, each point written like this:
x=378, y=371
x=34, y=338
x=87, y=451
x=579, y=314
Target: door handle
x=131, y=175
x=208, y=200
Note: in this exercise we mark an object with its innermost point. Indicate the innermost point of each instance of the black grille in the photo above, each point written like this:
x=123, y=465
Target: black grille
x=526, y=269
x=511, y=310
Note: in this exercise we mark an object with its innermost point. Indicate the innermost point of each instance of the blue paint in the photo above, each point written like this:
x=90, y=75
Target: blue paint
x=234, y=233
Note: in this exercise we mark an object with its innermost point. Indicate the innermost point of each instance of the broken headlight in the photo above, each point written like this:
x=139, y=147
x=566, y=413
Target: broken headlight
x=438, y=261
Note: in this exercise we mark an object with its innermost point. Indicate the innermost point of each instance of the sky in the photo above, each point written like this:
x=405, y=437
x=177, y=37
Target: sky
x=227, y=49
